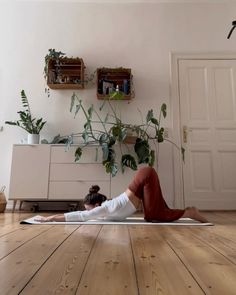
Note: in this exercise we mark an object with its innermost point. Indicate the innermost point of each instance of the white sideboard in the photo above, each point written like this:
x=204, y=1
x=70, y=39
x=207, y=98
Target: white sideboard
x=71, y=181
x=49, y=172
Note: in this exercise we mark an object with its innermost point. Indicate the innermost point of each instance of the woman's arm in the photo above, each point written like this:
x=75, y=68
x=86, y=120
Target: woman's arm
x=75, y=215
x=57, y=217
x=108, y=208
x=85, y=215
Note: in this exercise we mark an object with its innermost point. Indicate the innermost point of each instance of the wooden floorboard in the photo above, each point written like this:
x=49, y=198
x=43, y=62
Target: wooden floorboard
x=13, y=240
x=111, y=265
x=62, y=272
x=17, y=269
x=159, y=270
x=118, y=259
x=214, y=273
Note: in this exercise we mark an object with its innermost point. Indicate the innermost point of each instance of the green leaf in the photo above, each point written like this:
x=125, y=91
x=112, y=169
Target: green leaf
x=111, y=142
x=123, y=134
x=141, y=148
x=11, y=123
x=77, y=108
x=103, y=138
x=110, y=167
x=24, y=116
x=72, y=102
x=24, y=100
x=90, y=111
x=69, y=142
x=87, y=125
x=59, y=139
x=160, y=135
x=114, y=169
x=41, y=126
x=38, y=122
x=78, y=154
x=56, y=139
x=151, y=159
x=128, y=161
x=105, y=151
x=163, y=110
x=85, y=136
x=117, y=132
x=154, y=121
x=149, y=116
x=116, y=95
x=44, y=141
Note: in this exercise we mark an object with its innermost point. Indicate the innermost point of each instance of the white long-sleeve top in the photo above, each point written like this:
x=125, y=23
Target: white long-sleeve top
x=116, y=209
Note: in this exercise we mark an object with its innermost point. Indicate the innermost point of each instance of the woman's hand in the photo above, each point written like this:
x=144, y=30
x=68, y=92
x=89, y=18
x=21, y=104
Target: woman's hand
x=58, y=218
x=43, y=218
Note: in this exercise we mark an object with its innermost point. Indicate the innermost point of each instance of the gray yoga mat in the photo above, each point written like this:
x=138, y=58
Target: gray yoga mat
x=128, y=220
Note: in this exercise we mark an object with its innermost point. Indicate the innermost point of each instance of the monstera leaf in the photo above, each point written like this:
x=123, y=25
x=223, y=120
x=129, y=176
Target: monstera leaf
x=110, y=167
x=78, y=154
x=141, y=148
x=128, y=161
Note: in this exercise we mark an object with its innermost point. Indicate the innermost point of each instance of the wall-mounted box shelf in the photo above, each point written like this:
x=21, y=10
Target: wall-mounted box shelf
x=65, y=73
x=110, y=79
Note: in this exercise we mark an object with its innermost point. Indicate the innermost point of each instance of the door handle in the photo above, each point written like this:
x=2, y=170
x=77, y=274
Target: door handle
x=185, y=134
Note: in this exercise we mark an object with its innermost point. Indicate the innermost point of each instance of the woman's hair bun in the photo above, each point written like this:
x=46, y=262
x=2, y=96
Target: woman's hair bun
x=94, y=189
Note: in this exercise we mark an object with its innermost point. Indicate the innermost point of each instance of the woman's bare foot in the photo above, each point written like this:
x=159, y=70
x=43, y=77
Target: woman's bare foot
x=193, y=213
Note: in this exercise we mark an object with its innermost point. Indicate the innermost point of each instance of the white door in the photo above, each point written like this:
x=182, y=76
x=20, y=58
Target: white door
x=207, y=91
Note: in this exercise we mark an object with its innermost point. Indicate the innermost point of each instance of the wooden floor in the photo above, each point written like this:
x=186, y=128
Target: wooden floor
x=118, y=259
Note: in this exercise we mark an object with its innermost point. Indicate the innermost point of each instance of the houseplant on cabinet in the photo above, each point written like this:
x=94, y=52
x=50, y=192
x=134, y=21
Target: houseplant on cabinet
x=114, y=131
x=32, y=125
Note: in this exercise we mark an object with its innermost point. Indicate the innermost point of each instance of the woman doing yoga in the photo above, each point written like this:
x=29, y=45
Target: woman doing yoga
x=145, y=188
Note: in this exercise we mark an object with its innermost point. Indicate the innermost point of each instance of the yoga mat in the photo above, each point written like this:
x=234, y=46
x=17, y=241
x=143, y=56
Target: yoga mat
x=128, y=220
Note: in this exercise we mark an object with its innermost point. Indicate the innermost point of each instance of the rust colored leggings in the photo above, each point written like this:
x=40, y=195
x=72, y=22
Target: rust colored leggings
x=146, y=186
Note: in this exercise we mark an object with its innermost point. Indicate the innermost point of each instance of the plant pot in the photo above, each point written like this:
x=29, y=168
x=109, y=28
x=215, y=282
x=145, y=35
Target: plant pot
x=130, y=139
x=33, y=138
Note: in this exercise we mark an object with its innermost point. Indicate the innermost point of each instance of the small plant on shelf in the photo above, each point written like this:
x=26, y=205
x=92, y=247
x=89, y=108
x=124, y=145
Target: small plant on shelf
x=110, y=79
x=51, y=55
x=62, y=72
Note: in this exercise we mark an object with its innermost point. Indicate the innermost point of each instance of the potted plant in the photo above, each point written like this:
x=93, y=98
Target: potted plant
x=114, y=131
x=52, y=55
x=32, y=125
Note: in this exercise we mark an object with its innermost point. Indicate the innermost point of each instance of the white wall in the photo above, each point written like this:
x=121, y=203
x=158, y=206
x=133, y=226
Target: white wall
x=136, y=35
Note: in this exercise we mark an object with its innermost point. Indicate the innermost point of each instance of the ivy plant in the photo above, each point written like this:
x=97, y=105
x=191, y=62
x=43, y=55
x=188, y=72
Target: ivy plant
x=51, y=55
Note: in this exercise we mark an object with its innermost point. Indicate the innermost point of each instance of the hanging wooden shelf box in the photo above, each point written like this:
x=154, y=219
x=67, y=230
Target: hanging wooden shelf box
x=66, y=73
x=111, y=79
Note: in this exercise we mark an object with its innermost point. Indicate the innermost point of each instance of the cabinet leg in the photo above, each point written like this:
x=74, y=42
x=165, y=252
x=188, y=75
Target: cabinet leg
x=35, y=207
x=21, y=203
x=14, y=206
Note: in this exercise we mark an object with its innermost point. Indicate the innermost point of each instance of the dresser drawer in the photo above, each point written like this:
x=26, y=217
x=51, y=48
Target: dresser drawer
x=59, y=154
x=75, y=190
x=74, y=172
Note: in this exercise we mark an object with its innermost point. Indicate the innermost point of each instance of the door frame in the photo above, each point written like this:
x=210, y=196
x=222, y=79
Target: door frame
x=175, y=57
